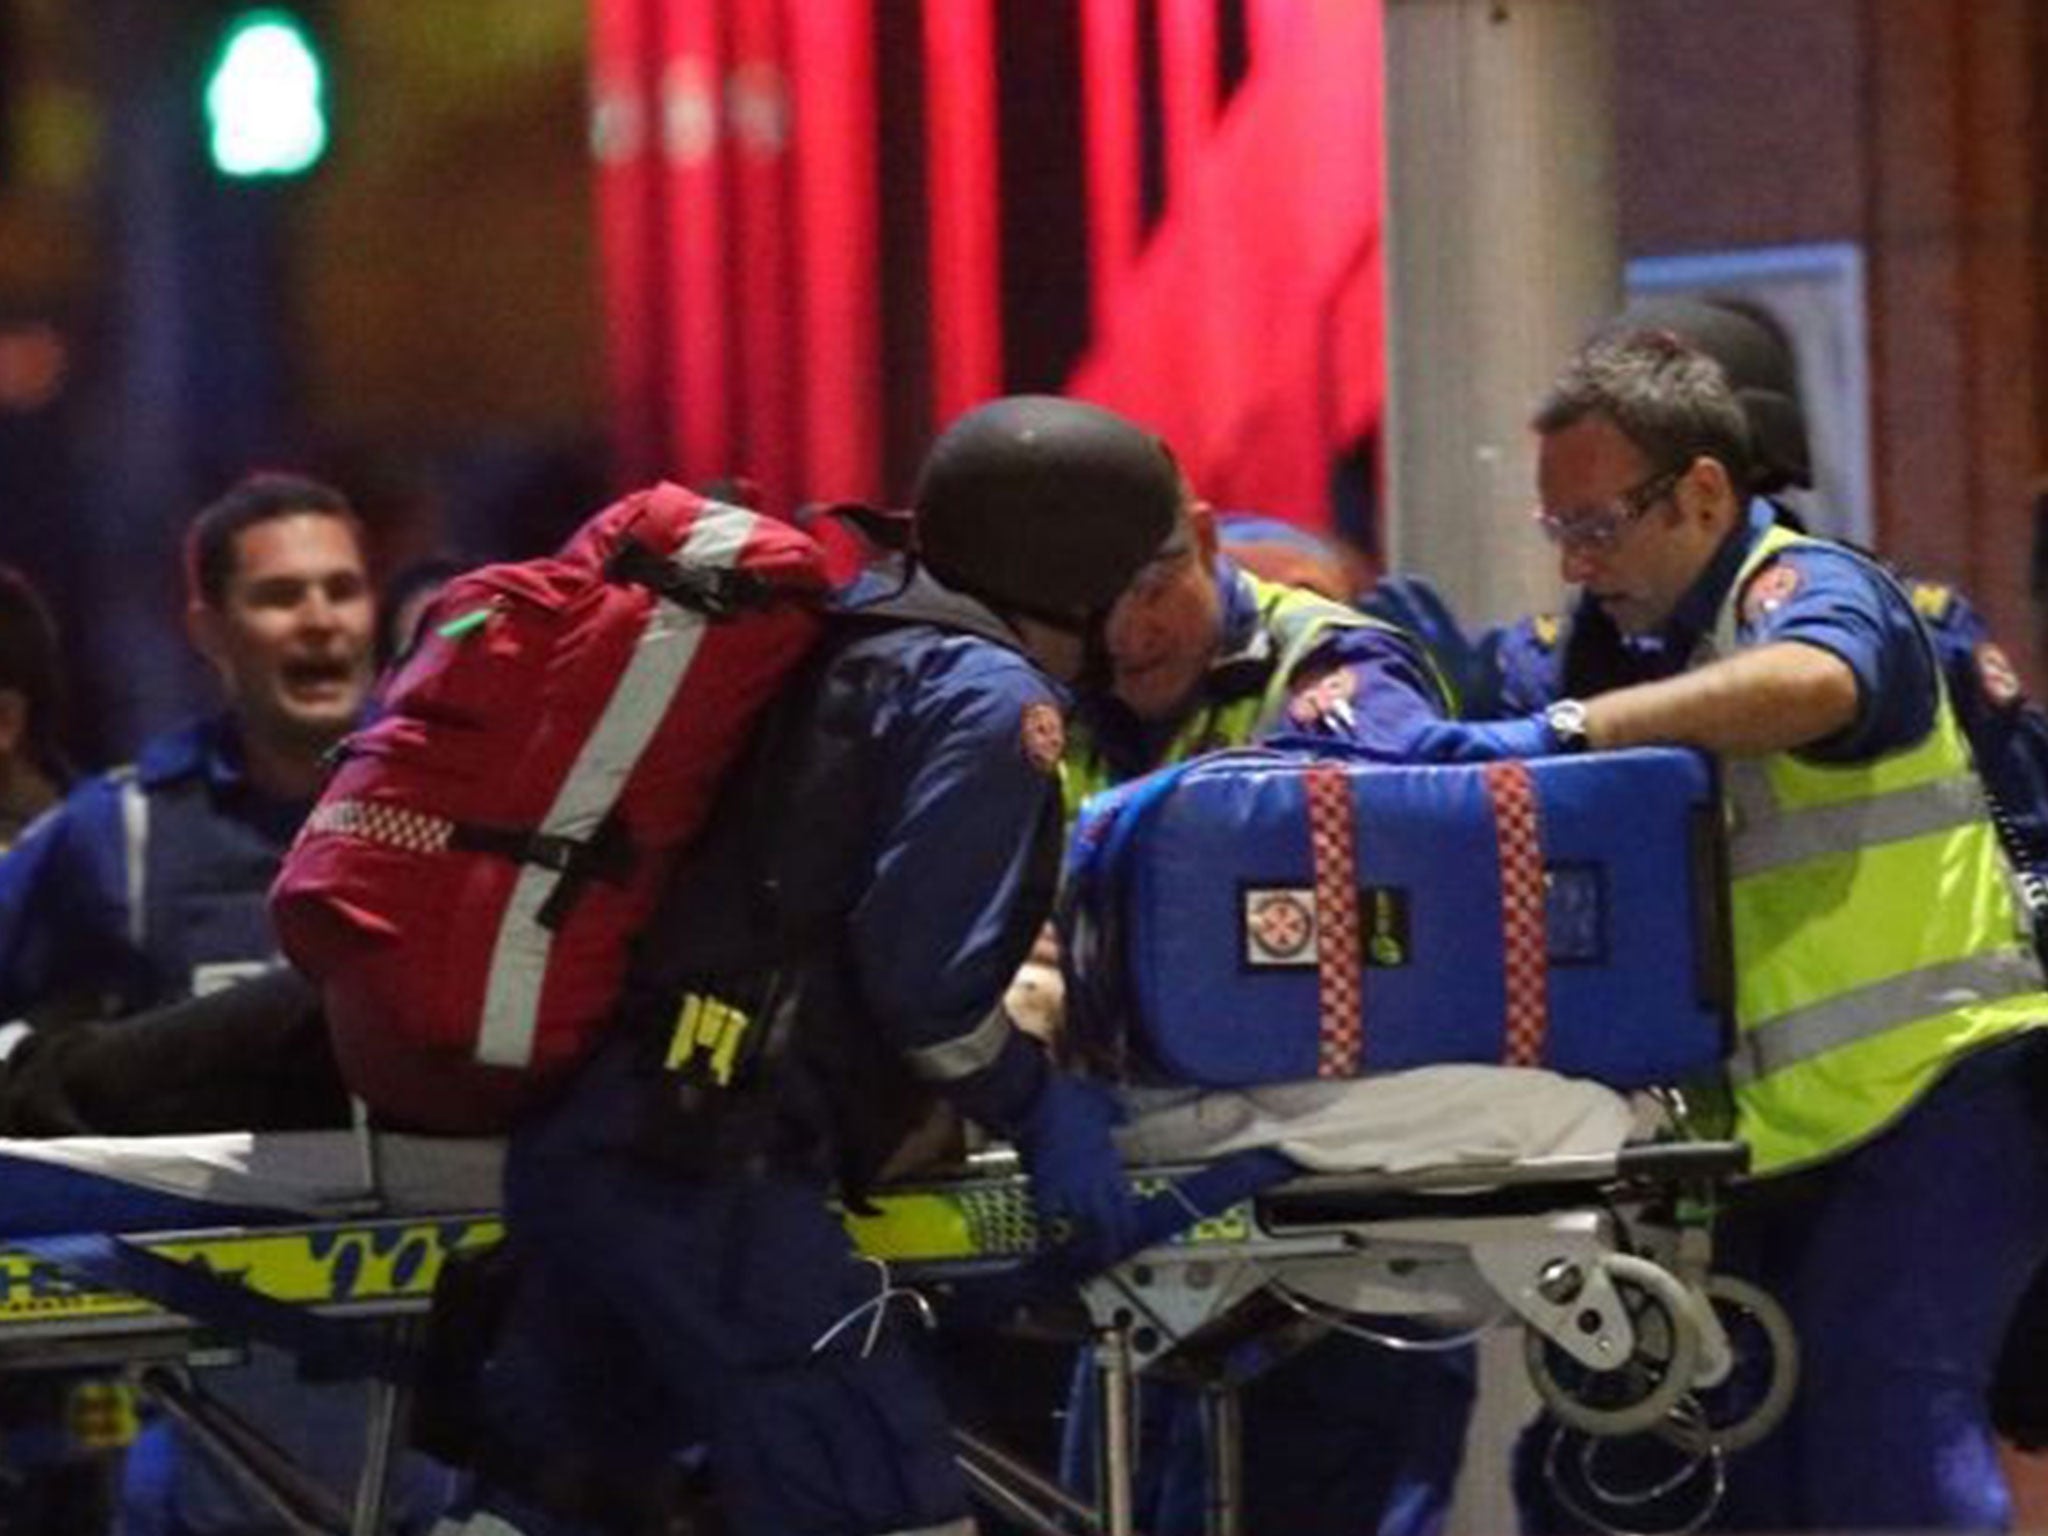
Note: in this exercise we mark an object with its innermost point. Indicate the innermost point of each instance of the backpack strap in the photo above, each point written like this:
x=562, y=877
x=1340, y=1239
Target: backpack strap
x=716, y=591
x=608, y=854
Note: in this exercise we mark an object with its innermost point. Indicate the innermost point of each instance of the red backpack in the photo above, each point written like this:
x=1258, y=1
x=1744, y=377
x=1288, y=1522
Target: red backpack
x=467, y=889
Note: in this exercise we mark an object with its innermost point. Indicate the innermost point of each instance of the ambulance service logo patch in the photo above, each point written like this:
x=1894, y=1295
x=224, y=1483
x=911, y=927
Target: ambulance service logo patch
x=1999, y=677
x=1043, y=735
x=1280, y=927
x=1770, y=591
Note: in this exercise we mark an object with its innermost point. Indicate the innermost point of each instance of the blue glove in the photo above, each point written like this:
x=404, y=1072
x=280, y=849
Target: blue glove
x=1484, y=741
x=1077, y=1178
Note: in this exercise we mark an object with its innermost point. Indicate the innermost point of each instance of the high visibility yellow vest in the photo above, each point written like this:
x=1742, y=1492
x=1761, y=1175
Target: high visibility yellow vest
x=1291, y=623
x=1877, y=933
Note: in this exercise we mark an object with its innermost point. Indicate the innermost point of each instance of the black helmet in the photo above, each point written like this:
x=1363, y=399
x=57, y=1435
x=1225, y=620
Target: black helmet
x=1757, y=358
x=1045, y=507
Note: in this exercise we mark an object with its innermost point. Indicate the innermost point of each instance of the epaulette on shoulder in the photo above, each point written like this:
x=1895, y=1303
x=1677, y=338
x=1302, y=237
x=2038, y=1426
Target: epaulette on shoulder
x=1548, y=629
x=1932, y=600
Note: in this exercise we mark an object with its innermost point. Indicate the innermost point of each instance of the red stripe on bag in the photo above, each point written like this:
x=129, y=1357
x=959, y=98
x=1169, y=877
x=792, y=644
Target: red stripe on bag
x=1525, y=946
x=1341, y=1038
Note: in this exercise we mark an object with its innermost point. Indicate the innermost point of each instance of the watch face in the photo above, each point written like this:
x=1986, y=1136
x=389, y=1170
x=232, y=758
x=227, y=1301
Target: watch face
x=1567, y=719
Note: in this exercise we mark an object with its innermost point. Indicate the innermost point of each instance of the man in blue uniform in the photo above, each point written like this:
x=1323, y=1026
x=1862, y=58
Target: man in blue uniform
x=1886, y=1045
x=1524, y=666
x=1521, y=667
x=1347, y=1437
x=870, y=881
x=146, y=887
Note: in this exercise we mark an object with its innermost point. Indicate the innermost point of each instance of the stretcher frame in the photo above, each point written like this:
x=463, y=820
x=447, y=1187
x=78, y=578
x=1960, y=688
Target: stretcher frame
x=1550, y=1244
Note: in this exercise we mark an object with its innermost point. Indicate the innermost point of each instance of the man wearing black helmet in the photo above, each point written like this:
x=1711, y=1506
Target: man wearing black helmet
x=1345, y=1438
x=871, y=880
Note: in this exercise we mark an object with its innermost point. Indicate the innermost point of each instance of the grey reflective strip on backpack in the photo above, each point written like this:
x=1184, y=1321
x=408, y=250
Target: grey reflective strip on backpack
x=964, y=1055
x=639, y=700
x=135, y=858
x=1766, y=838
x=1804, y=1033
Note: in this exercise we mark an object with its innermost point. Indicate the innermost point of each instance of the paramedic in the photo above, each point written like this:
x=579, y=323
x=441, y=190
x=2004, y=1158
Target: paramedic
x=1535, y=661
x=146, y=887
x=1346, y=1437
x=873, y=875
x=1886, y=988
x=148, y=884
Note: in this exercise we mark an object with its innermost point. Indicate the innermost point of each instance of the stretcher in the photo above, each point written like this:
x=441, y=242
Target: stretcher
x=163, y=1255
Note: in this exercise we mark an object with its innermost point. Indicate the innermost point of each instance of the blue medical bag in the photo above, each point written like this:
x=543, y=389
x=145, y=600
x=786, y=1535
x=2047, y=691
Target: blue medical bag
x=1267, y=916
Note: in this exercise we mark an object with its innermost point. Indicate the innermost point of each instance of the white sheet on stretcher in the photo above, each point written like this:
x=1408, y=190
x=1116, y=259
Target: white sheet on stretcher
x=1423, y=1118
x=308, y=1173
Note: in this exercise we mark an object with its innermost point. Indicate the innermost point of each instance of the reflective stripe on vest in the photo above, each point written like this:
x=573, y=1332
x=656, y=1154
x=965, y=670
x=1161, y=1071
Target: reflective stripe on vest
x=1876, y=935
x=639, y=700
x=1290, y=623
x=1818, y=1028
x=1775, y=841
x=135, y=857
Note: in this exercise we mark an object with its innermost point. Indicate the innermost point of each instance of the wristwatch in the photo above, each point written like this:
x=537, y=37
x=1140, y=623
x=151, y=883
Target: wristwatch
x=1567, y=721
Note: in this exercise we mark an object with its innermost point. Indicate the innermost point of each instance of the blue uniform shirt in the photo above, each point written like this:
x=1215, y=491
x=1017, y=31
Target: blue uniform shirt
x=146, y=884
x=1384, y=683
x=1819, y=594
x=2007, y=730
x=968, y=741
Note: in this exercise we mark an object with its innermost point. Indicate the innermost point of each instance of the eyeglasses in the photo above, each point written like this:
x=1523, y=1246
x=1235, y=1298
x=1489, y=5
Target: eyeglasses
x=1594, y=530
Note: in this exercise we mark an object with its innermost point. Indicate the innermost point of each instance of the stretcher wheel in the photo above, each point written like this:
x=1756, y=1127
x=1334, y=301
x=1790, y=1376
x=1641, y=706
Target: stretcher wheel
x=1636, y=1394
x=1749, y=1403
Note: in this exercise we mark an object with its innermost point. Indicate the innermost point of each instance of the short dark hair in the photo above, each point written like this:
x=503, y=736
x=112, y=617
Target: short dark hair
x=31, y=663
x=256, y=498
x=1671, y=400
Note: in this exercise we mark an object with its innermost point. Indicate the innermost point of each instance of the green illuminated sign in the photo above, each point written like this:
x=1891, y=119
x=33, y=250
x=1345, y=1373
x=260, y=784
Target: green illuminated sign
x=266, y=109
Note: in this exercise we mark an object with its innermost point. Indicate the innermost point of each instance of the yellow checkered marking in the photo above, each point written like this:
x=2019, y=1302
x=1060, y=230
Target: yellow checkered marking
x=351, y=1263
x=367, y=1262
x=992, y=1219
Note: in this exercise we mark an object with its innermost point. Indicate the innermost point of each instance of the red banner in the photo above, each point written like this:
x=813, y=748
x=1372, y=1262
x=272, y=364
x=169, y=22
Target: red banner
x=624, y=141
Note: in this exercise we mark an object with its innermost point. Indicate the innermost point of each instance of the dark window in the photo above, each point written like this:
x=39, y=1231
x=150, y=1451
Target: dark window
x=1045, y=291
x=1233, y=50
x=1151, y=119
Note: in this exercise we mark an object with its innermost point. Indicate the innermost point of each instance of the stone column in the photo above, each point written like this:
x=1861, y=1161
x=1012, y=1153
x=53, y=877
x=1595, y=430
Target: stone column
x=1504, y=253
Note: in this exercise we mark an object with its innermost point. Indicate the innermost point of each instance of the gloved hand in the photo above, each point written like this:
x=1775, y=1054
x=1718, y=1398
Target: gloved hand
x=1484, y=741
x=1077, y=1178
